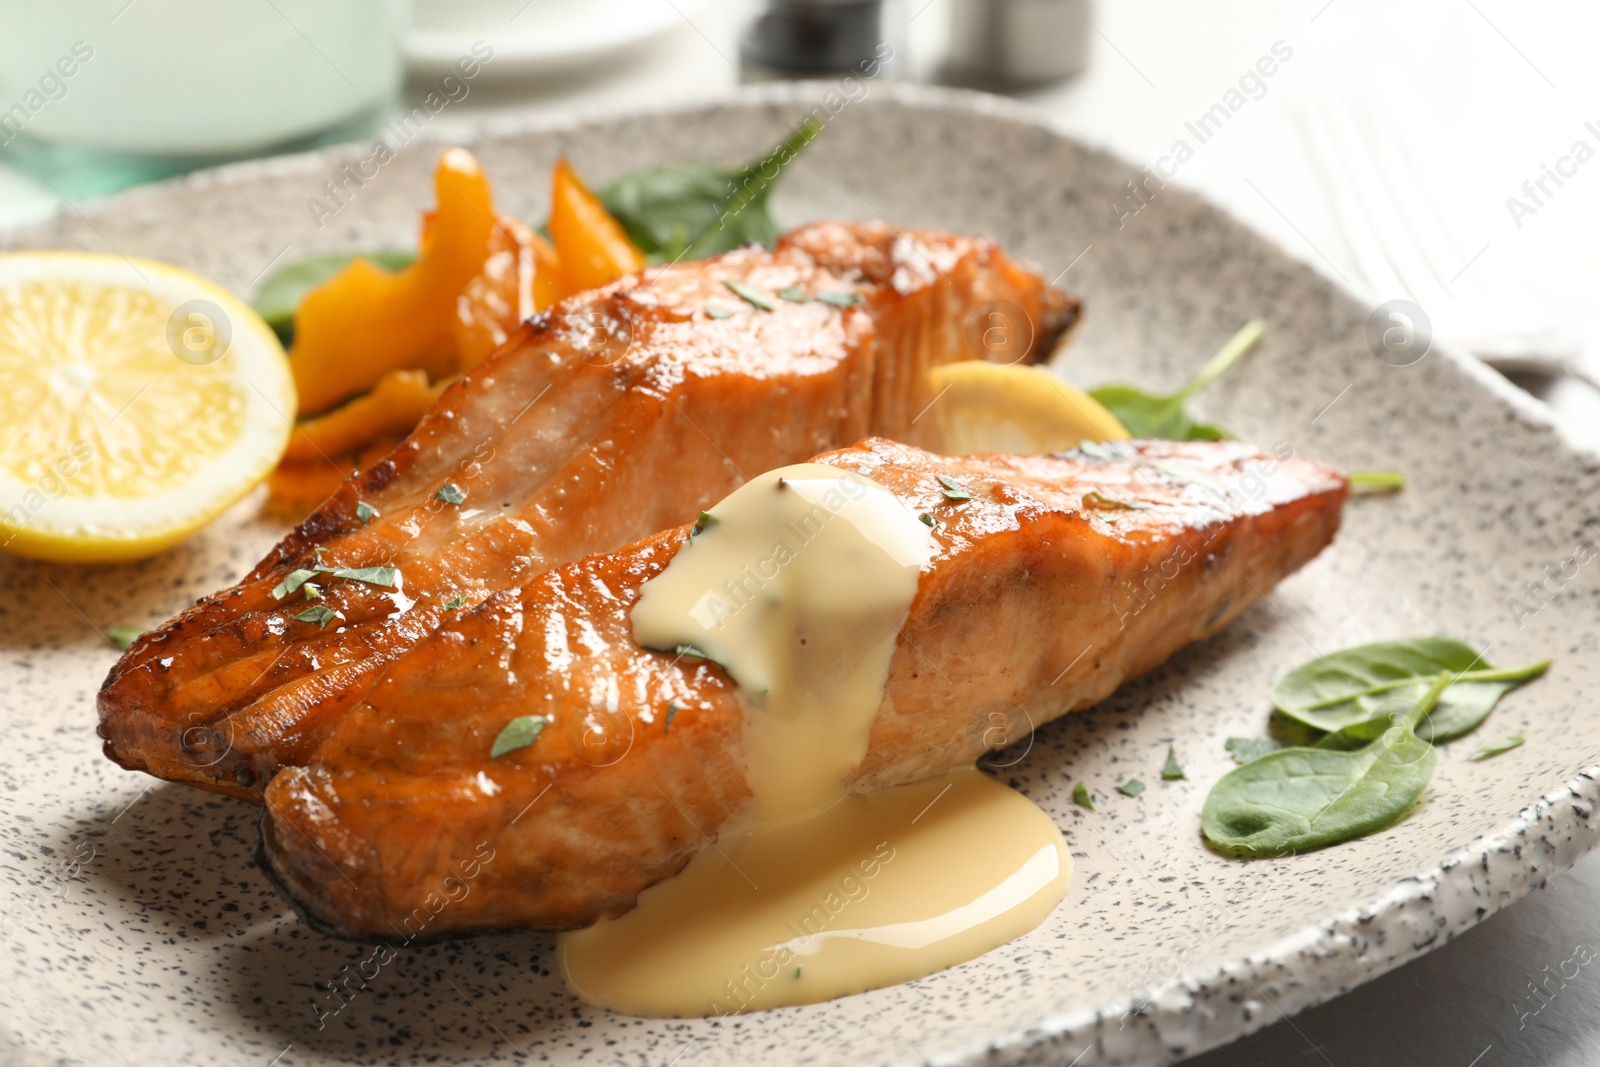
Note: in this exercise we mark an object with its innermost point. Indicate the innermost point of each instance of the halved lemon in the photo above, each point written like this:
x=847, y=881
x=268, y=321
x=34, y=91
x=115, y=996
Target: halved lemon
x=137, y=402
x=990, y=407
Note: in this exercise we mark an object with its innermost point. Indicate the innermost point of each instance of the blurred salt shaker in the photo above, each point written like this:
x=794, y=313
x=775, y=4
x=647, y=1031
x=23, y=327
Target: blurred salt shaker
x=813, y=38
x=1018, y=42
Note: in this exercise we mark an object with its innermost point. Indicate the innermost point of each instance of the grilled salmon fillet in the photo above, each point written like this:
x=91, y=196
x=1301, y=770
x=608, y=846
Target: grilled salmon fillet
x=621, y=411
x=1062, y=577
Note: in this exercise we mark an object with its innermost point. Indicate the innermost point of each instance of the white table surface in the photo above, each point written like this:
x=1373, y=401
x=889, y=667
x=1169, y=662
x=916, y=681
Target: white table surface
x=1502, y=89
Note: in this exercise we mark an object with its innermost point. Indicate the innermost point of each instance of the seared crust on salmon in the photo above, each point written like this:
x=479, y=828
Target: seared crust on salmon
x=622, y=411
x=1059, y=579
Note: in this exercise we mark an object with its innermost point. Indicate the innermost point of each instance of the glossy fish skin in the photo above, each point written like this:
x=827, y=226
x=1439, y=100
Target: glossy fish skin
x=1061, y=578
x=622, y=411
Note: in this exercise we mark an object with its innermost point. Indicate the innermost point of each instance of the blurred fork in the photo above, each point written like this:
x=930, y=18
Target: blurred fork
x=1404, y=246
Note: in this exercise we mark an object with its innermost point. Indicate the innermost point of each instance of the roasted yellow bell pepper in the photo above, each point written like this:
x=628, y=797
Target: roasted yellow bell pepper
x=592, y=246
x=393, y=406
x=367, y=321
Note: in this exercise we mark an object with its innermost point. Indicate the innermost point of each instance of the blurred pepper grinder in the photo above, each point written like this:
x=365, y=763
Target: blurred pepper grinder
x=813, y=38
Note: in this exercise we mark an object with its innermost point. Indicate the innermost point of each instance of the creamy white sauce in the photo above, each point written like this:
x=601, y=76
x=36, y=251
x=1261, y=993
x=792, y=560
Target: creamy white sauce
x=798, y=588
x=798, y=585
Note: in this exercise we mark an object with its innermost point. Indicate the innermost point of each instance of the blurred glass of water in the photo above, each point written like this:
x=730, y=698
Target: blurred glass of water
x=99, y=94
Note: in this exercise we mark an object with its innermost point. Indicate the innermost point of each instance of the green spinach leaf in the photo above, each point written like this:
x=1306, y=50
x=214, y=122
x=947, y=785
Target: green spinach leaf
x=1300, y=799
x=1357, y=690
x=1147, y=415
x=692, y=210
x=1245, y=749
x=280, y=295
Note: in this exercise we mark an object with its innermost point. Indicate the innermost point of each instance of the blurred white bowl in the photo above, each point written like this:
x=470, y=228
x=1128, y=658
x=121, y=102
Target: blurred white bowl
x=536, y=36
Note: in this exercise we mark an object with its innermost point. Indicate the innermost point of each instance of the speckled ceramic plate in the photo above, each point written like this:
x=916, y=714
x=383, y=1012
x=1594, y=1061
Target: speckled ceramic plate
x=137, y=927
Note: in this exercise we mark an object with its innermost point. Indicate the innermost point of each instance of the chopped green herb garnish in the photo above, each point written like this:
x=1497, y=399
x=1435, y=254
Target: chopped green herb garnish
x=840, y=299
x=383, y=576
x=718, y=313
x=690, y=650
x=320, y=614
x=1190, y=475
x=454, y=602
x=518, y=733
x=1494, y=748
x=1096, y=450
x=672, y=713
x=1366, y=483
x=794, y=294
x=751, y=295
x=365, y=511
x=1080, y=796
x=293, y=582
x=1171, y=772
x=122, y=636
x=1131, y=788
x=952, y=489
x=927, y=520
x=705, y=521
x=312, y=591
x=1099, y=501
x=451, y=493
x=797, y=972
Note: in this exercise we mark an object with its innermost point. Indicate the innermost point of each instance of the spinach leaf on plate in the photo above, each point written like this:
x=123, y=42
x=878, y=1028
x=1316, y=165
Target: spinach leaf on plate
x=1147, y=415
x=1299, y=799
x=1357, y=690
x=1246, y=749
x=691, y=210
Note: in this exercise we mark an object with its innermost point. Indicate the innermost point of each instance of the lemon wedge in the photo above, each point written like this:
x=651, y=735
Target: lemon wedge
x=137, y=401
x=989, y=407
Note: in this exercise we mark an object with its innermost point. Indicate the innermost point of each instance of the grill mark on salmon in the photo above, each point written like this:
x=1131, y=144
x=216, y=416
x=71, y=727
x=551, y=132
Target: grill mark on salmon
x=1043, y=597
x=620, y=412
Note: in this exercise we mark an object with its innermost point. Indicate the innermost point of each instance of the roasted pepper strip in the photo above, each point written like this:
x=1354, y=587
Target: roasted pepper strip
x=394, y=405
x=367, y=321
x=592, y=246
